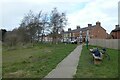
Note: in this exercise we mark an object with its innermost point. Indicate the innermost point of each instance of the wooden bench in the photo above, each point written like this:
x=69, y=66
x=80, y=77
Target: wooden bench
x=96, y=59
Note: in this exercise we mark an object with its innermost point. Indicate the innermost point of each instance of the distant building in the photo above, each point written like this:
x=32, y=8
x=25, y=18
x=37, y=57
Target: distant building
x=95, y=32
x=115, y=34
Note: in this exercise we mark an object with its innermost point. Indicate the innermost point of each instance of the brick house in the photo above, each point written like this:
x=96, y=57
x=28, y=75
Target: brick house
x=98, y=32
x=115, y=34
x=95, y=31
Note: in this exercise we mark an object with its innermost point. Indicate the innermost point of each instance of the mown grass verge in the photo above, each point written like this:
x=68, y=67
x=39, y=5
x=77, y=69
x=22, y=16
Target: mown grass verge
x=33, y=62
x=107, y=69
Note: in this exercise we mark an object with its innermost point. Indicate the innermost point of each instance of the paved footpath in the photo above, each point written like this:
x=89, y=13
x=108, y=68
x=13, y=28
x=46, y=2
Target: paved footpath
x=68, y=66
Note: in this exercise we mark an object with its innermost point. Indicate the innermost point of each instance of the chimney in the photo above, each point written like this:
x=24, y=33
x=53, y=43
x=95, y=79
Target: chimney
x=116, y=26
x=98, y=23
x=69, y=29
x=89, y=25
x=78, y=27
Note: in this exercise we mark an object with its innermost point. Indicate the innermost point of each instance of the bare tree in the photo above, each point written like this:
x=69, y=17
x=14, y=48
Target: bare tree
x=57, y=22
x=32, y=27
x=23, y=36
x=31, y=23
x=11, y=38
x=45, y=26
x=37, y=21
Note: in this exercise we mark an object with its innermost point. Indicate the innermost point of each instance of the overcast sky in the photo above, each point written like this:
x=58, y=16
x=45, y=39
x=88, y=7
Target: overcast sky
x=79, y=12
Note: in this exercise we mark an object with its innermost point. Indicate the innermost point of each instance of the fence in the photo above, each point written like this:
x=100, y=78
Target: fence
x=108, y=43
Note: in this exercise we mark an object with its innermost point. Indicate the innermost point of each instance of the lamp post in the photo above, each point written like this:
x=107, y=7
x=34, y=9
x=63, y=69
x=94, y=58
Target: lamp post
x=80, y=36
x=87, y=38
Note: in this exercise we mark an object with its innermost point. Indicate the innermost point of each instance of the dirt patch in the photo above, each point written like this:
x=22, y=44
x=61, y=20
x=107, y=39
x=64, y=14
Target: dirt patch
x=17, y=74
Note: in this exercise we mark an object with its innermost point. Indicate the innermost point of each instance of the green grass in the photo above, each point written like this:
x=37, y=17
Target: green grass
x=107, y=69
x=33, y=62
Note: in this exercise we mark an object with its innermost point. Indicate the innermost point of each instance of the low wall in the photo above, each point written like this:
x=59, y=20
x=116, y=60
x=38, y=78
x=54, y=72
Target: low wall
x=108, y=43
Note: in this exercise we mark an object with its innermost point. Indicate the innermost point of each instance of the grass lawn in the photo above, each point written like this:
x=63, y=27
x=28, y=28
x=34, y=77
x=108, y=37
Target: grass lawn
x=33, y=62
x=107, y=69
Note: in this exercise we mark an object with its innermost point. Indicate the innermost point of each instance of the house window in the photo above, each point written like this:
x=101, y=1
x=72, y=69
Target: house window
x=73, y=34
x=80, y=32
x=70, y=34
x=65, y=35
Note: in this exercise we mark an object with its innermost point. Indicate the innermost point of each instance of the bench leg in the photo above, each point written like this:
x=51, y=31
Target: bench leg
x=97, y=61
